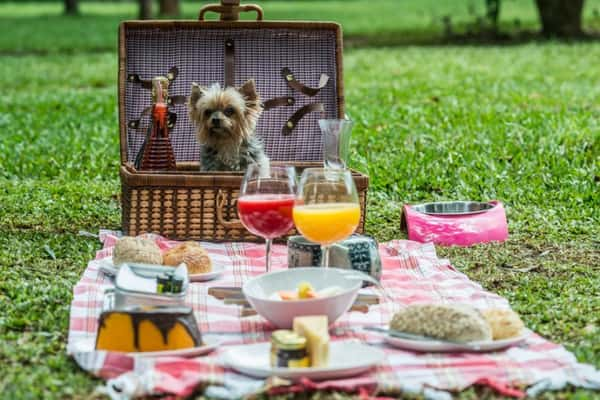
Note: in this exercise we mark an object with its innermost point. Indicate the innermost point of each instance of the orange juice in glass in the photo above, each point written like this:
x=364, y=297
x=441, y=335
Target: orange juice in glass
x=327, y=208
x=327, y=223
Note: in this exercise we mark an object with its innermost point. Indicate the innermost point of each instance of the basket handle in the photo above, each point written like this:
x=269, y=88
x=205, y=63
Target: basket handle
x=234, y=223
x=229, y=10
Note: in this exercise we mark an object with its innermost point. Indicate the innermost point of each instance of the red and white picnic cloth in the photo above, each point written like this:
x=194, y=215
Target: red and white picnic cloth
x=412, y=273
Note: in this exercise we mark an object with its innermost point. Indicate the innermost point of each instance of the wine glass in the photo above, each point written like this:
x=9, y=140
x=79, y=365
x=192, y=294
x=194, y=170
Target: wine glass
x=266, y=201
x=327, y=208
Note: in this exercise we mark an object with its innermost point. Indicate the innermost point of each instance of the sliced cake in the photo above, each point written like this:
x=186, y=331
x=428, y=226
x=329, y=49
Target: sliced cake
x=140, y=329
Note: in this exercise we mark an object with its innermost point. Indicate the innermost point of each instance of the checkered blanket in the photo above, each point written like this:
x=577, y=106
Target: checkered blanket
x=412, y=273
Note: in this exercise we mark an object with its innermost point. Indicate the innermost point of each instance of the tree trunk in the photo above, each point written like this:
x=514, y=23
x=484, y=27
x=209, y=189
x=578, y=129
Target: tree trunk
x=169, y=8
x=560, y=18
x=145, y=9
x=71, y=7
x=492, y=11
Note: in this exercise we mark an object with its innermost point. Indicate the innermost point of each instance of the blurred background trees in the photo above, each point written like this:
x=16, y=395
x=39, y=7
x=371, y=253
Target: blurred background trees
x=145, y=9
x=169, y=8
x=71, y=7
x=558, y=18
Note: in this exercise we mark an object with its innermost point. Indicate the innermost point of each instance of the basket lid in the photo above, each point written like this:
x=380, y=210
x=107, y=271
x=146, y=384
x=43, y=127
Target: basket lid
x=297, y=67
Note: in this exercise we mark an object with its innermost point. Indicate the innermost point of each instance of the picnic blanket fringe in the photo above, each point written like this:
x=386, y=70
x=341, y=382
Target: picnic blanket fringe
x=412, y=273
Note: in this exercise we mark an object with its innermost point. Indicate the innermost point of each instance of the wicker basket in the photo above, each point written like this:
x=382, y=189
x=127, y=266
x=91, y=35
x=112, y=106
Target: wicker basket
x=296, y=65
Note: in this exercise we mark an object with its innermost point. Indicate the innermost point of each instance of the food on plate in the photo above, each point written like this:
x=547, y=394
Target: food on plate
x=306, y=291
x=459, y=323
x=316, y=331
x=140, y=329
x=288, y=349
x=192, y=254
x=505, y=323
x=307, y=345
x=136, y=250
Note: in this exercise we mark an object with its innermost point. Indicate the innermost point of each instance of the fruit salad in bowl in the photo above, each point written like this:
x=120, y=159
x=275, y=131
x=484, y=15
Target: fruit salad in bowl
x=280, y=296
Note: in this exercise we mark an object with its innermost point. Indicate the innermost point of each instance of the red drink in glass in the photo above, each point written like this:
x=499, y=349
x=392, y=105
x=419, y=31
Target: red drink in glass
x=267, y=215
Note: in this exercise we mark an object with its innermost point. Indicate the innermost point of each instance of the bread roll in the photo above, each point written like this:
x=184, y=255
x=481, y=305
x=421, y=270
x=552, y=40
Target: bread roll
x=192, y=254
x=504, y=323
x=136, y=250
x=459, y=323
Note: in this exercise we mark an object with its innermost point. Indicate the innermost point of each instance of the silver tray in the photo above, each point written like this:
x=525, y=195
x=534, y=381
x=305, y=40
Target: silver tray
x=453, y=208
x=109, y=303
x=124, y=298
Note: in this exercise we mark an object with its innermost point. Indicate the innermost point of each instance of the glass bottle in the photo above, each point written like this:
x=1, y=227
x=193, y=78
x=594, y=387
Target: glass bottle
x=156, y=152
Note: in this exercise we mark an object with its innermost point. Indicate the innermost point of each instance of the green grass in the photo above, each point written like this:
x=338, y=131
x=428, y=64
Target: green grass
x=41, y=27
x=516, y=123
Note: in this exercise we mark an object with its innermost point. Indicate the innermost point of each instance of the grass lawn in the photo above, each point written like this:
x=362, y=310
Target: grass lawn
x=517, y=123
x=40, y=27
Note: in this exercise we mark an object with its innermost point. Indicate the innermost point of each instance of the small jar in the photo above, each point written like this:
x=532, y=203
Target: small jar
x=176, y=284
x=288, y=350
x=163, y=283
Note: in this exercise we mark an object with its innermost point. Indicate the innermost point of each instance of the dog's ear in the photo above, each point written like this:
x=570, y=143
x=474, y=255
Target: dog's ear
x=248, y=90
x=197, y=92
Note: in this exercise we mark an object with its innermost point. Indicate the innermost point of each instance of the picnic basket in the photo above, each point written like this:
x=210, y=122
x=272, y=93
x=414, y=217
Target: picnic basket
x=297, y=67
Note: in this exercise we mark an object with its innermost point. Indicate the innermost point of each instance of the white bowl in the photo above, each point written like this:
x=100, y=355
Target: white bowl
x=258, y=292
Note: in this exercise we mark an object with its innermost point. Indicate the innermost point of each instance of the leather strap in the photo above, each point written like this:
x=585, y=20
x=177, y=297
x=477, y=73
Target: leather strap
x=289, y=77
x=298, y=115
x=147, y=84
x=229, y=62
x=172, y=100
x=278, y=102
x=171, y=120
x=172, y=74
x=135, y=123
x=135, y=78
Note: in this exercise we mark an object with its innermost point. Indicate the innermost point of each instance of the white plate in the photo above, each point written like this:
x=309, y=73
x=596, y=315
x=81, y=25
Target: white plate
x=346, y=358
x=217, y=270
x=210, y=344
x=107, y=266
x=432, y=346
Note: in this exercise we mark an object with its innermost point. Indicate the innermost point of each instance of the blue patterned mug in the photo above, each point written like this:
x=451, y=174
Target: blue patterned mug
x=358, y=252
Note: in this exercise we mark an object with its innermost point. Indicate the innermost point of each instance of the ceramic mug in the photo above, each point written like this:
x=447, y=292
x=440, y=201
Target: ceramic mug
x=358, y=252
x=302, y=253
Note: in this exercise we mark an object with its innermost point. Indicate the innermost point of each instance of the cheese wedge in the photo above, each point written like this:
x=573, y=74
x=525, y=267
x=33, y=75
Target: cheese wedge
x=315, y=330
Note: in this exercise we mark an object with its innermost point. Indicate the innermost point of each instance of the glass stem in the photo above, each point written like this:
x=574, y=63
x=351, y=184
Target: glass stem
x=268, y=254
x=325, y=256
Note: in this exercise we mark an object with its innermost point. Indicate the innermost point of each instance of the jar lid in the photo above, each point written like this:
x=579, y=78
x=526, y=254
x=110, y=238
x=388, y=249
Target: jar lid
x=288, y=340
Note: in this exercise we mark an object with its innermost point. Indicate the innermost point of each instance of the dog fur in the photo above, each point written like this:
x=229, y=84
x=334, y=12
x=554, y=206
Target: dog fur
x=225, y=121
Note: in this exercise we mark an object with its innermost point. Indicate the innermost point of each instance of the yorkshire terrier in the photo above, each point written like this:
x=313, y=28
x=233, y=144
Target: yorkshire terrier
x=225, y=122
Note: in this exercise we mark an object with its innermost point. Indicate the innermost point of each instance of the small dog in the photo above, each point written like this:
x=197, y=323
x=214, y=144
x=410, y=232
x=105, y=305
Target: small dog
x=226, y=120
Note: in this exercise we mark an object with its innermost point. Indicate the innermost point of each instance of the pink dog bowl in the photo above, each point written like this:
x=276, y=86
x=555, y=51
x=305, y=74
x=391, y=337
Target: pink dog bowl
x=458, y=223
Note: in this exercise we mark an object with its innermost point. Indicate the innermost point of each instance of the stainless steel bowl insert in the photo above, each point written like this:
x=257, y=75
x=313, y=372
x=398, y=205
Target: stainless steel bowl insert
x=453, y=208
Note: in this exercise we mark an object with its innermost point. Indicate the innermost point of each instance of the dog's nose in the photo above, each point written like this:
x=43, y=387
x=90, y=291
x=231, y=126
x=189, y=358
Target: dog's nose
x=216, y=122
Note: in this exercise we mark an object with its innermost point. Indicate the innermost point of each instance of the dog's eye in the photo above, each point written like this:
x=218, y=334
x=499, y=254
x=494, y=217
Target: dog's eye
x=229, y=111
x=207, y=113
